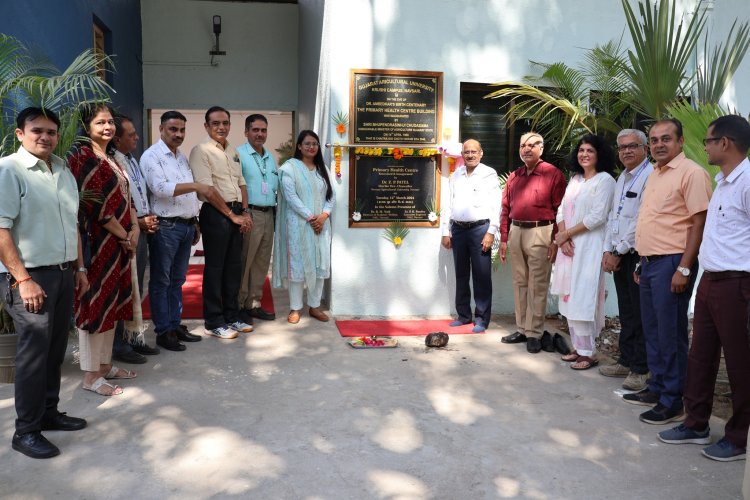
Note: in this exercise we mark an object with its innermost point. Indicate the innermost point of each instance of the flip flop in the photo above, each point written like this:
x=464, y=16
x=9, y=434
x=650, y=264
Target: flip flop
x=99, y=383
x=112, y=373
x=570, y=358
x=587, y=363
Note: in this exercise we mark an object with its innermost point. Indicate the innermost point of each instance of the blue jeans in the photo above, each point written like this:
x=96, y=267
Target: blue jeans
x=169, y=251
x=665, y=328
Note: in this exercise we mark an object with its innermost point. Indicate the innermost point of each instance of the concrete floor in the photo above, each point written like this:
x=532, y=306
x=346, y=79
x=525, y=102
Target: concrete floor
x=292, y=412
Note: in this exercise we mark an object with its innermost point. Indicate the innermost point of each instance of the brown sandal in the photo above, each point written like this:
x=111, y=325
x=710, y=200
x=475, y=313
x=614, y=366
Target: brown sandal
x=586, y=363
x=570, y=358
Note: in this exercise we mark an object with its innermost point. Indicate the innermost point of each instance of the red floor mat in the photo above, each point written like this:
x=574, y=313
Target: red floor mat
x=395, y=328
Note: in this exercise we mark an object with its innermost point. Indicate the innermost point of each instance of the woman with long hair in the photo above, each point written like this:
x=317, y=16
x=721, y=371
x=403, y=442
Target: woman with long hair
x=302, y=242
x=581, y=220
x=107, y=221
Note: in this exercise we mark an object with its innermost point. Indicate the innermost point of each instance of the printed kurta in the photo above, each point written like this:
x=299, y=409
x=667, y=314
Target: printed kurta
x=108, y=299
x=299, y=254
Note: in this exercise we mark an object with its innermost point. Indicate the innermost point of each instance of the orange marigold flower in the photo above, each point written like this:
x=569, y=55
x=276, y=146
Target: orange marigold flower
x=397, y=154
x=340, y=128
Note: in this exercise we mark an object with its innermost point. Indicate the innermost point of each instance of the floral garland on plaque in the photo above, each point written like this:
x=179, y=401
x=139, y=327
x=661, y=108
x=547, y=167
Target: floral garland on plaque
x=341, y=120
x=396, y=153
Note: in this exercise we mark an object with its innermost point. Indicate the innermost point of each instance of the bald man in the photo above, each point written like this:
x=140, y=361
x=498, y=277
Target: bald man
x=527, y=229
x=469, y=227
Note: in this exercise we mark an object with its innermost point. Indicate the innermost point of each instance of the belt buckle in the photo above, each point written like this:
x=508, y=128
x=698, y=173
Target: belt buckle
x=64, y=266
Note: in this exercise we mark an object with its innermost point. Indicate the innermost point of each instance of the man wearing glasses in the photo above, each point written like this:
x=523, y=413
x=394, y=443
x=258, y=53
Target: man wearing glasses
x=531, y=197
x=667, y=237
x=620, y=258
x=469, y=229
x=222, y=224
x=723, y=299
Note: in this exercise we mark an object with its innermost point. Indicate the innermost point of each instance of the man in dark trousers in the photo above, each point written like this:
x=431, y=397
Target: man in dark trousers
x=41, y=266
x=722, y=304
x=469, y=228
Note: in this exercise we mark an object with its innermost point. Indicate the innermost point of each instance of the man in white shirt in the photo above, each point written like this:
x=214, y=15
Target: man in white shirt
x=172, y=196
x=620, y=258
x=469, y=227
x=722, y=302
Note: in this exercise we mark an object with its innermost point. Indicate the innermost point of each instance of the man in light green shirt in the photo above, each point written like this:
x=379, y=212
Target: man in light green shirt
x=262, y=182
x=41, y=264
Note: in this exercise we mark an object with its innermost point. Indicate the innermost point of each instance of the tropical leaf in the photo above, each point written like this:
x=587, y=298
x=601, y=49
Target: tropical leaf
x=720, y=64
x=662, y=48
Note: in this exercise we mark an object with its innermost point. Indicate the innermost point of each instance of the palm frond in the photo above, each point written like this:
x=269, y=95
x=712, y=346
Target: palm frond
x=719, y=65
x=661, y=51
x=695, y=124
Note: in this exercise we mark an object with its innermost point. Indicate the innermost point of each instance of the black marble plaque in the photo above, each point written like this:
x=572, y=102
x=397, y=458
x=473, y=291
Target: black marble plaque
x=395, y=107
x=387, y=189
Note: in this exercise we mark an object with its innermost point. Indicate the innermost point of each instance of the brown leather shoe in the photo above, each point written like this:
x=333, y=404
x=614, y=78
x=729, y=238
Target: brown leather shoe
x=318, y=314
x=293, y=317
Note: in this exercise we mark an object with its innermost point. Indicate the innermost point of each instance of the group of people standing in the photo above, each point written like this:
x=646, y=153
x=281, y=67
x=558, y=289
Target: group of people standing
x=649, y=228
x=75, y=237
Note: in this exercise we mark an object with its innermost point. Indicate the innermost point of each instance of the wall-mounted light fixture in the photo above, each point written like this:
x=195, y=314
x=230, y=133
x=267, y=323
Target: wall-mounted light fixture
x=217, y=31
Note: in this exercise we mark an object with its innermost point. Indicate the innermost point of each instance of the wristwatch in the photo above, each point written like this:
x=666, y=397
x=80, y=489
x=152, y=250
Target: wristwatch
x=81, y=270
x=685, y=271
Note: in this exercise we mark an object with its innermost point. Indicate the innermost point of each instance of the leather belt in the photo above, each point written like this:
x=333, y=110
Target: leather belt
x=191, y=221
x=469, y=224
x=53, y=267
x=531, y=223
x=725, y=275
x=652, y=258
x=260, y=208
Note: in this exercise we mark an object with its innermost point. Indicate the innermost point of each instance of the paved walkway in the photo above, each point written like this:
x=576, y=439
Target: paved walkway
x=292, y=412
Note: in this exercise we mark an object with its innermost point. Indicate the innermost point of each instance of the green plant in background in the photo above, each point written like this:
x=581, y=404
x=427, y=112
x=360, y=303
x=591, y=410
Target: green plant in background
x=286, y=150
x=27, y=78
x=653, y=79
x=396, y=233
x=695, y=123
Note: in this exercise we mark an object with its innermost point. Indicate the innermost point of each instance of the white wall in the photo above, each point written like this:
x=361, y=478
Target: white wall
x=258, y=72
x=469, y=41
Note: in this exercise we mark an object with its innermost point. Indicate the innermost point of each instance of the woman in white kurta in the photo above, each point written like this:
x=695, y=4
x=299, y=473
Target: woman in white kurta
x=581, y=220
x=302, y=241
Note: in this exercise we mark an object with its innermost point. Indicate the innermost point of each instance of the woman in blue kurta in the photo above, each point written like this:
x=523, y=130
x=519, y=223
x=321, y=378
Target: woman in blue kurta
x=302, y=242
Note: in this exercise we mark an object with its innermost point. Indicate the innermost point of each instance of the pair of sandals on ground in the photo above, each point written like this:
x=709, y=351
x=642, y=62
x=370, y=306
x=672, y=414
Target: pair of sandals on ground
x=104, y=388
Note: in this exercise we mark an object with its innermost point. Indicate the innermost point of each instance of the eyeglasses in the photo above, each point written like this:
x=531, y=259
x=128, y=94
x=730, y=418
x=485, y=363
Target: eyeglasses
x=218, y=124
x=470, y=153
x=310, y=144
x=629, y=147
x=715, y=139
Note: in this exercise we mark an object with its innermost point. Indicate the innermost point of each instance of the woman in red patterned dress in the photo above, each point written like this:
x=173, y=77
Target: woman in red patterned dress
x=109, y=224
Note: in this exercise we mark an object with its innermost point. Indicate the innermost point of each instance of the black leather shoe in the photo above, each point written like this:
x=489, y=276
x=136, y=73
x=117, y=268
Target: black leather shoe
x=145, y=349
x=533, y=345
x=184, y=335
x=514, y=338
x=169, y=342
x=34, y=445
x=62, y=422
x=560, y=345
x=131, y=357
x=257, y=312
x=546, y=342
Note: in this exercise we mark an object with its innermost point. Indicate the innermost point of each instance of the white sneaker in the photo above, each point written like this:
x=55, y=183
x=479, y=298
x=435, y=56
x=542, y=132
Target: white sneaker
x=240, y=326
x=223, y=332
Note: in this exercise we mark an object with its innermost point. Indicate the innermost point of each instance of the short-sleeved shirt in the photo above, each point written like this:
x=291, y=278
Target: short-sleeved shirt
x=218, y=166
x=163, y=170
x=672, y=195
x=259, y=170
x=531, y=196
x=40, y=208
x=726, y=237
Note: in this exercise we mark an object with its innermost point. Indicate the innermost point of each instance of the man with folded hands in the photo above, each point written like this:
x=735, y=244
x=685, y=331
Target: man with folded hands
x=469, y=227
x=531, y=197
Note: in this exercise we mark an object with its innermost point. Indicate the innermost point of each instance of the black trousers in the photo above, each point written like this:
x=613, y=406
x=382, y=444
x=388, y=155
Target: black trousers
x=222, y=244
x=632, y=343
x=42, y=340
x=471, y=262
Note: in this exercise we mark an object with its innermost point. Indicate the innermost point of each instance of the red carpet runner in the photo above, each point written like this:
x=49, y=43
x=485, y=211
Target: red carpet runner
x=395, y=328
x=192, y=295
